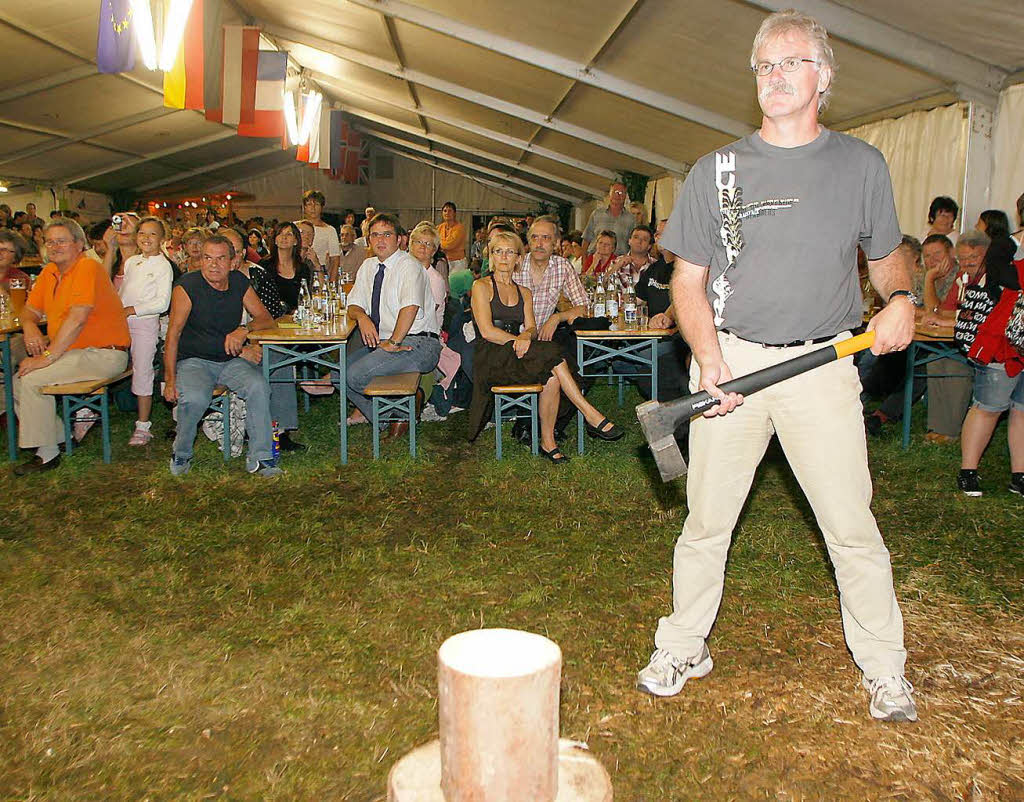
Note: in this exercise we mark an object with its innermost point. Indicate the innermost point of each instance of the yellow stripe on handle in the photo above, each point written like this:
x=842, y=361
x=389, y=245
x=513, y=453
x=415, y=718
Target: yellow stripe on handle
x=854, y=344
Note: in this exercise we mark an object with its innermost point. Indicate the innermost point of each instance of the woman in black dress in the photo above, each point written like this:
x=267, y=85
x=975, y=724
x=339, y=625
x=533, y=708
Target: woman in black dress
x=508, y=352
x=286, y=266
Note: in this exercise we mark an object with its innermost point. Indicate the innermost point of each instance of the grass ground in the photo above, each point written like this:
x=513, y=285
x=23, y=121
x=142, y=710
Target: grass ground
x=226, y=637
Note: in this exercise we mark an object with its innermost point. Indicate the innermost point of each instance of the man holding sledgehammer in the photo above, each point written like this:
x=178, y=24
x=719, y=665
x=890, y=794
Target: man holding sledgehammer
x=765, y=232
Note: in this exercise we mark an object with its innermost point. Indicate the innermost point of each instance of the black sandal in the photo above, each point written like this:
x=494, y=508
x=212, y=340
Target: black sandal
x=613, y=433
x=555, y=455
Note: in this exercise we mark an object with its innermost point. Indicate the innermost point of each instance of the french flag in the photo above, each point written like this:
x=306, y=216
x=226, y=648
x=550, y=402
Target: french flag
x=268, y=111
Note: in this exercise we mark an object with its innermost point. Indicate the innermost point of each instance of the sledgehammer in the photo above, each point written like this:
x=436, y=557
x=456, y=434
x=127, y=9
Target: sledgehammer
x=659, y=421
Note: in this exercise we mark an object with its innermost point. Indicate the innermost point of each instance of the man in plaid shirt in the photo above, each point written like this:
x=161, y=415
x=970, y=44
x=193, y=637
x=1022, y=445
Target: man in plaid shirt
x=548, y=276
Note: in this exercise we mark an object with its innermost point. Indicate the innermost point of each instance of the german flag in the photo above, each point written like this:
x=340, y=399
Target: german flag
x=194, y=80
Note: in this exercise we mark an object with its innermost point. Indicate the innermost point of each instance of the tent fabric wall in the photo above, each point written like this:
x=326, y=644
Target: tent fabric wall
x=89, y=205
x=927, y=156
x=414, y=195
x=279, y=194
x=1007, y=153
x=660, y=197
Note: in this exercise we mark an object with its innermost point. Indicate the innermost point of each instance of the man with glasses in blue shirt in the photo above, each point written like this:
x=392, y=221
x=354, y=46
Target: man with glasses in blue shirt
x=393, y=307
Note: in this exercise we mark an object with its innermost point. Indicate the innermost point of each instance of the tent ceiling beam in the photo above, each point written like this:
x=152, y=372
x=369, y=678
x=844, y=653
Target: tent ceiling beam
x=447, y=169
x=226, y=185
x=160, y=154
x=578, y=71
x=481, y=99
x=208, y=167
x=109, y=128
x=899, y=45
x=487, y=133
x=48, y=82
x=553, y=193
x=453, y=143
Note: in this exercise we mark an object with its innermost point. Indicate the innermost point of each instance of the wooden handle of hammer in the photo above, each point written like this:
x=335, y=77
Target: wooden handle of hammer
x=745, y=385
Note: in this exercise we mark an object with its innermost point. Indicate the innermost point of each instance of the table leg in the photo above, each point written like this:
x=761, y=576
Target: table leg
x=908, y=393
x=342, y=398
x=6, y=363
x=654, y=370
x=268, y=356
x=579, y=415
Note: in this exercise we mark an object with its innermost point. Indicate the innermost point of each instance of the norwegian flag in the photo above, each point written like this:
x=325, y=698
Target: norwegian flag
x=350, y=157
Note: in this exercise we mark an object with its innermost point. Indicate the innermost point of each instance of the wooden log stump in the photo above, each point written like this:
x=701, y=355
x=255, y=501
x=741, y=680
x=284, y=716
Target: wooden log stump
x=498, y=711
x=417, y=776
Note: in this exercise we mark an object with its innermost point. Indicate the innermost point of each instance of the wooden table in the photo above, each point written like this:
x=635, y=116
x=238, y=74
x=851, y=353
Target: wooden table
x=930, y=344
x=310, y=346
x=639, y=346
x=9, y=327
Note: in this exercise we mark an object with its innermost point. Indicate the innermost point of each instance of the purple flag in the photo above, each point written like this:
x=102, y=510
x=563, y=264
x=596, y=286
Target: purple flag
x=115, y=44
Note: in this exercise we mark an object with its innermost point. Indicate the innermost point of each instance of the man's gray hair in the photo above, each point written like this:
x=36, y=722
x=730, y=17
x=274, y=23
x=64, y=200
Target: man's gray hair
x=77, y=234
x=550, y=219
x=346, y=227
x=790, y=19
x=974, y=239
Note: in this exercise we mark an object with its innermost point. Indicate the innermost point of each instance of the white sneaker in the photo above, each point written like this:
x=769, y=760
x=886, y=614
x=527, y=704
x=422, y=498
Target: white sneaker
x=666, y=675
x=892, y=698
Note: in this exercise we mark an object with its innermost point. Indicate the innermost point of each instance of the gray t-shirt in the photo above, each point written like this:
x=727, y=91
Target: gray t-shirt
x=779, y=228
x=601, y=219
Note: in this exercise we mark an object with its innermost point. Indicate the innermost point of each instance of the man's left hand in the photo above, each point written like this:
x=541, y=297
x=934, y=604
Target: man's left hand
x=235, y=341
x=547, y=331
x=660, y=321
x=386, y=345
x=893, y=326
x=28, y=364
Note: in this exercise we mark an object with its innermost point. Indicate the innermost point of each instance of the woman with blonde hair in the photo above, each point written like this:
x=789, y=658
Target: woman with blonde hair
x=508, y=352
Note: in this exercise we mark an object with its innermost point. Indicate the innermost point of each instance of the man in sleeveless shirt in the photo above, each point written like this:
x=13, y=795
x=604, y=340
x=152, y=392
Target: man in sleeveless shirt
x=765, y=233
x=206, y=347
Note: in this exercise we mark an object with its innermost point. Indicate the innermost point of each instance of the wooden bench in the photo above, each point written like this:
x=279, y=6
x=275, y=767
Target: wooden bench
x=510, y=402
x=393, y=394
x=88, y=394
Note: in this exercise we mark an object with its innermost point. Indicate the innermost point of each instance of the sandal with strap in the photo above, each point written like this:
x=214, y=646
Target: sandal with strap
x=610, y=434
x=555, y=455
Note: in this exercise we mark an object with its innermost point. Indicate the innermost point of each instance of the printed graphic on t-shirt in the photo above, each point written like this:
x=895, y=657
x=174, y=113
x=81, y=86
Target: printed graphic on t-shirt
x=734, y=212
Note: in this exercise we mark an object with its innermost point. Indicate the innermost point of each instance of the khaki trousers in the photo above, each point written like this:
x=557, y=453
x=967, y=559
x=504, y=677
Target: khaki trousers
x=38, y=424
x=819, y=420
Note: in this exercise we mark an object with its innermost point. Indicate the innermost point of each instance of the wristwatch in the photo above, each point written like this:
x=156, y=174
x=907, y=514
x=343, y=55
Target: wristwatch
x=905, y=293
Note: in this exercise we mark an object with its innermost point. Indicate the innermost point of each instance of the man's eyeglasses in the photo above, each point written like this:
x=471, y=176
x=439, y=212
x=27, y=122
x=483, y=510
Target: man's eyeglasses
x=57, y=243
x=381, y=234
x=791, y=64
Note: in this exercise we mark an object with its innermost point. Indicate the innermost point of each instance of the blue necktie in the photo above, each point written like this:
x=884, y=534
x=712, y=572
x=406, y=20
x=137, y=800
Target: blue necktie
x=378, y=282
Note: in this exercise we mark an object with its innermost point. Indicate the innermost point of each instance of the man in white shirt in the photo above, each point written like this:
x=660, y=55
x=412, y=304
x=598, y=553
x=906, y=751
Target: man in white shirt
x=393, y=307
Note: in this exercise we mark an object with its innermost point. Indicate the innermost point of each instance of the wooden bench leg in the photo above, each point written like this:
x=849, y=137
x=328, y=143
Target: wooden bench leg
x=375, y=424
x=69, y=441
x=534, y=425
x=412, y=425
x=497, y=426
x=105, y=423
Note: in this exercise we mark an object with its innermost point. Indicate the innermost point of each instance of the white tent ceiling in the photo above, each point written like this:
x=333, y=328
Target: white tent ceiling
x=549, y=98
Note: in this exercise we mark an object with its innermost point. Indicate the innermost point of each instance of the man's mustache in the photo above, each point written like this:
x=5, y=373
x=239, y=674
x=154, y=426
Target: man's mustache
x=777, y=88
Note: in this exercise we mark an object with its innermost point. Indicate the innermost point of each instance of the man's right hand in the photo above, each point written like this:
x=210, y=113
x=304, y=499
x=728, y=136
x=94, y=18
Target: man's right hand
x=35, y=341
x=711, y=376
x=170, y=392
x=371, y=339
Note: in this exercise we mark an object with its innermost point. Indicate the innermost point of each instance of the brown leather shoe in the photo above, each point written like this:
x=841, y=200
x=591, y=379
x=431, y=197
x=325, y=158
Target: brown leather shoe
x=398, y=429
x=36, y=465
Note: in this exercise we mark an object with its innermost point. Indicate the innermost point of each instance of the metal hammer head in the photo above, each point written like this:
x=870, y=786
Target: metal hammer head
x=659, y=422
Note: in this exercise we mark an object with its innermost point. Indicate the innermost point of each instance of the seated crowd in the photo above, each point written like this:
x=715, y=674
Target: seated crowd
x=469, y=312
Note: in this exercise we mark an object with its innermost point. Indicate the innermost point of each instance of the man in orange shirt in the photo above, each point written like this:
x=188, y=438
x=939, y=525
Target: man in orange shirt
x=453, y=238
x=88, y=339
